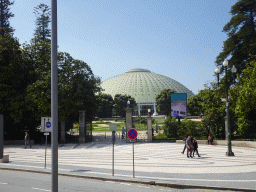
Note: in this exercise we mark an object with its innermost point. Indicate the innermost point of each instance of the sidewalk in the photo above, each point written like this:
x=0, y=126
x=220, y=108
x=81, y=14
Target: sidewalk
x=155, y=163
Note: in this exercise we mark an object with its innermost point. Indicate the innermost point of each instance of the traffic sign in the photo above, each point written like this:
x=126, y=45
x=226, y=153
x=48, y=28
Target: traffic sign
x=46, y=124
x=132, y=134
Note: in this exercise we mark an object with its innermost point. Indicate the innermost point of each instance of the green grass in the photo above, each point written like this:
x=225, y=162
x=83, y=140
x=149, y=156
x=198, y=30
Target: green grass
x=160, y=136
x=101, y=122
x=120, y=124
x=138, y=126
x=159, y=122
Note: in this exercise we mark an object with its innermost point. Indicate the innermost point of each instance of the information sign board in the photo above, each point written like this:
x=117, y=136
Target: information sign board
x=46, y=124
x=112, y=127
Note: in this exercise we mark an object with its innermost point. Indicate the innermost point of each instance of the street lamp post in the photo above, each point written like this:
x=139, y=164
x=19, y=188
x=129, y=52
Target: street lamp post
x=128, y=104
x=227, y=123
x=149, y=111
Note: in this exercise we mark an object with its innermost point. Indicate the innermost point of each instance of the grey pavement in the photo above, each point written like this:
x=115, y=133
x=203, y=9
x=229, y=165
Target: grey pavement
x=155, y=163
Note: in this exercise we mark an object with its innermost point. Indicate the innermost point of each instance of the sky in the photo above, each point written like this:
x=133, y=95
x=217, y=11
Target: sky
x=179, y=39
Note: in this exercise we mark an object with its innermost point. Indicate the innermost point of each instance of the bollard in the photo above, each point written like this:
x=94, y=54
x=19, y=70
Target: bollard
x=105, y=135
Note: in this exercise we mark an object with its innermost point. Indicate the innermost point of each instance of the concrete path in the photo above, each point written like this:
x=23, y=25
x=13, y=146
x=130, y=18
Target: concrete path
x=158, y=163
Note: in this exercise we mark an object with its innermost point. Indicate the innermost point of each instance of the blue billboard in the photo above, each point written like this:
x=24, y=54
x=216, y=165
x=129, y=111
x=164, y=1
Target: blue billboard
x=179, y=104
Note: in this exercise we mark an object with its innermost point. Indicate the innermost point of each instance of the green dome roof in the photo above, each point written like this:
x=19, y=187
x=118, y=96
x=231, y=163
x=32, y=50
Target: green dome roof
x=142, y=85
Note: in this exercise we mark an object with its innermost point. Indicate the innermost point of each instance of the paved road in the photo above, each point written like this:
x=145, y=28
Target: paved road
x=158, y=162
x=17, y=181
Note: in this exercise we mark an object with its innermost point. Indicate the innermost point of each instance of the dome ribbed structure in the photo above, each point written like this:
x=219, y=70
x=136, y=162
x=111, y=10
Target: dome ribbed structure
x=142, y=85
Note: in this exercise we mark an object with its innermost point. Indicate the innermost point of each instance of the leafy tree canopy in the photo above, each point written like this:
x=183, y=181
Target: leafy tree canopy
x=244, y=97
x=105, y=105
x=5, y=15
x=77, y=89
x=15, y=77
x=163, y=100
x=241, y=35
x=42, y=31
x=121, y=104
x=194, y=107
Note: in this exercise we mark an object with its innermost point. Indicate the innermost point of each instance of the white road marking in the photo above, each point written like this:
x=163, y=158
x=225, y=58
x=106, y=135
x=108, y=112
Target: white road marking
x=40, y=189
x=109, y=181
x=124, y=183
x=3, y=183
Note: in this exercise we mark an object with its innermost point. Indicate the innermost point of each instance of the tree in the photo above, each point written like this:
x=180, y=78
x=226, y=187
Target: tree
x=105, y=105
x=241, y=35
x=244, y=97
x=214, y=111
x=78, y=86
x=77, y=89
x=5, y=15
x=42, y=31
x=194, y=107
x=163, y=100
x=121, y=104
x=14, y=79
x=171, y=127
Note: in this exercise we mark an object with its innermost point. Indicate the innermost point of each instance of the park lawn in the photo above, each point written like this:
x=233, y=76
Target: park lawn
x=104, y=126
x=160, y=136
x=159, y=122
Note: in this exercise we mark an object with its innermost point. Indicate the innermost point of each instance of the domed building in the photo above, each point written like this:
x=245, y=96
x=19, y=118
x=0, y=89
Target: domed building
x=142, y=85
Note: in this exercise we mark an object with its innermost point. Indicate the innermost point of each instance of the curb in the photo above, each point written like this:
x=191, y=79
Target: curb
x=169, y=185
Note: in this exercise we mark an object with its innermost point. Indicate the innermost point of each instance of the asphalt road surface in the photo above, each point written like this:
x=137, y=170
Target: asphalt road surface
x=18, y=181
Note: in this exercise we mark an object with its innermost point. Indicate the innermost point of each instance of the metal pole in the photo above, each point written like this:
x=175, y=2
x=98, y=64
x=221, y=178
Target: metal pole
x=45, y=152
x=54, y=96
x=229, y=152
x=113, y=157
x=133, y=159
x=1, y=136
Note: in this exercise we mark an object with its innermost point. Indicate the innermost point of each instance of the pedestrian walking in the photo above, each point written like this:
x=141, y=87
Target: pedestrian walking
x=27, y=140
x=210, y=139
x=189, y=147
x=123, y=133
x=156, y=127
x=185, y=139
x=195, y=146
x=191, y=139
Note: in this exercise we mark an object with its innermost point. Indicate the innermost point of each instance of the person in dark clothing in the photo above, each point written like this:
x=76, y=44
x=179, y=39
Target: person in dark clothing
x=210, y=139
x=189, y=147
x=195, y=145
x=27, y=140
x=123, y=133
x=191, y=139
x=185, y=139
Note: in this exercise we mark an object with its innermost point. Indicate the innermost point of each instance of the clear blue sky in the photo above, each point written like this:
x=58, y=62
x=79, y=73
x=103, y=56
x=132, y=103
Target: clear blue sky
x=176, y=38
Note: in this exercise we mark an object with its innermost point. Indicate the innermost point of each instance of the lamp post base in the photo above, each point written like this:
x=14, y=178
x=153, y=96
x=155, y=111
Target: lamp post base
x=230, y=153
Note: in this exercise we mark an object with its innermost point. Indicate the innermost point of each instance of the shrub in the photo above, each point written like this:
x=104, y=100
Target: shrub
x=174, y=129
x=141, y=120
x=171, y=127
